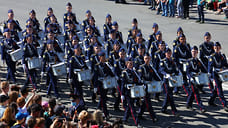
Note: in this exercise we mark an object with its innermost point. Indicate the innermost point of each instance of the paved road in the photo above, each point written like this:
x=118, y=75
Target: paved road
x=215, y=117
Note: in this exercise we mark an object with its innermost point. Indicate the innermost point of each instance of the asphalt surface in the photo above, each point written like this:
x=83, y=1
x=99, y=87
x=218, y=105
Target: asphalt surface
x=215, y=24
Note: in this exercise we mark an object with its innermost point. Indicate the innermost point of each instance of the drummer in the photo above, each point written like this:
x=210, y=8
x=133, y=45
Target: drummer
x=206, y=49
x=119, y=36
x=76, y=62
x=217, y=62
x=47, y=19
x=168, y=68
x=94, y=27
x=139, y=60
x=158, y=56
x=69, y=10
x=50, y=58
x=110, y=42
x=182, y=52
x=114, y=54
x=147, y=73
x=129, y=76
x=194, y=67
x=14, y=34
x=134, y=23
x=29, y=30
x=107, y=26
x=176, y=41
x=134, y=47
x=152, y=37
x=102, y=70
x=119, y=66
x=29, y=51
x=16, y=23
x=85, y=22
x=36, y=24
x=131, y=39
x=8, y=45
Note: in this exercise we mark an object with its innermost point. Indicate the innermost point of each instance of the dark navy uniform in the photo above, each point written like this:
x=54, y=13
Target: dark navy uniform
x=181, y=53
x=176, y=41
x=7, y=46
x=109, y=45
x=194, y=67
x=152, y=37
x=76, y=62
x=47, y=19
x=56, y=47
x=206, y=49
x=158, y=56
x=217, y=62
x=107, y=27
x=139, y=60
x=119, y=66
x=50, y=58
x=16, y=23
x=129, y=77
x=147, y=73
x=74, y=20
x=114, y=55
x=30, y=51
x=168, y=66
x=119, y=35
x=102, y=70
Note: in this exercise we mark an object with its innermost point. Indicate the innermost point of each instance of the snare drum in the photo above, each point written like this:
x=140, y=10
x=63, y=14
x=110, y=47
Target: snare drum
x=137, y=91
x=83, y=75
x=176, y=81
x=109, y=82
x=223, y=75
x=154, y=86
x=16, y=55
x=34, y=62
x=59, y=69
x=202, y=79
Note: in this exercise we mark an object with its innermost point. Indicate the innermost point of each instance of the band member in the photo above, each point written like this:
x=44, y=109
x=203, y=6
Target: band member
x=114, y=54
x=47, y=19
x=50, y=58
x=168, y=68
x=94, y=59
x=76, y=62
x=69, y=10
x=102, y=70
x=29, y=51
x=119, y=66
x=16, y=23
x=119, y=35
x=94, y=27
x=14, y=34
x=182, y=52
x=134, y=24
x=152, y=37
x=134, y=47
x=176, y=41
x=131, y=39
x=8, y=45
x=206, y=49
x=217, y=62
x=107, y=26
x=36, y=24
x=158, y=56
x=85, y=22
x=147, y=73
x=194, y=68
x=139, y=60
x=110, y=42
x=129, y=76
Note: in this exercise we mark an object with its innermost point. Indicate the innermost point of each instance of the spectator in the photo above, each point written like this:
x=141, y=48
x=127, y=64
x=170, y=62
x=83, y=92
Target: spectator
x=172, y=8
x=24, y=92
x=220, y=6
x=4, y=88
x=98, y=118
x=37, y=99
x=180, y=9
x=15, y=88
x=45, y=106
x=14, y=106
x=20, y=117
x=40, y=122
x=164, y=8
x=13, y=96
x=3, y=125
x=9, y=117
x=22, y=105
x=31, y=122
x=200, y=6
x=118, y=123
x=35, y=111
x=186, y=8
x=77, y=106
x=83, y=117
x=3, y=104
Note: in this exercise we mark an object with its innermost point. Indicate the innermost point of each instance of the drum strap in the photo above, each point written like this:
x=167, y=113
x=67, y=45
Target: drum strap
x=166, y=65
x=120, y=66
x=76, y=59
x=181, y=52
x=205, y=47
x=216, y=62
x=194, y=67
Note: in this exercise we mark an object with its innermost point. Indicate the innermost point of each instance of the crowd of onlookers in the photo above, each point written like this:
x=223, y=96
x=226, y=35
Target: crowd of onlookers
x=170, y=7
x=19, y=109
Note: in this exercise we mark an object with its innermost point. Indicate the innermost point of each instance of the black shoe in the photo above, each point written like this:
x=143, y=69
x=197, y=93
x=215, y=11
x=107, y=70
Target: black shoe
x=202, y=22
x=125, y=122
x=203, y=110
x=176, y=93
x=155, y=120
x=189, y=107
x=226, y=108
x=212, y=104
x=164, y=111
x=198, y=21
x=176, y=114
x=117, y=109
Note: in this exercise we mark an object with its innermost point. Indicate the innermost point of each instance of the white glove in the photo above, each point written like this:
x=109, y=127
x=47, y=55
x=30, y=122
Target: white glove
x=68, y=70
x=24, y=67
x=42, y=74
x=95, y=90
x=70, y=81
x=129, y=86
x=167, y=75
x=122, y=98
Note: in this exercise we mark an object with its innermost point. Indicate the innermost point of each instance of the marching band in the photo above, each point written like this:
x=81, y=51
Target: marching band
x=133, y=71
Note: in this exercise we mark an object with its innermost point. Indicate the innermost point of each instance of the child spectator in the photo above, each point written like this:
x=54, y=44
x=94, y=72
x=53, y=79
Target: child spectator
x=200, y=6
